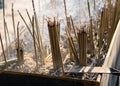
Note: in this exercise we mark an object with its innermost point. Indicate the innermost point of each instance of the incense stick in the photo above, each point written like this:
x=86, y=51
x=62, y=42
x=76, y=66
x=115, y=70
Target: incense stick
x=13, y=21
x=3, y=50
x=35, y=51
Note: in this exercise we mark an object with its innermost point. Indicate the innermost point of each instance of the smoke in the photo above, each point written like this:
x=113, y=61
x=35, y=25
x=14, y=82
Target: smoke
x=78, y=9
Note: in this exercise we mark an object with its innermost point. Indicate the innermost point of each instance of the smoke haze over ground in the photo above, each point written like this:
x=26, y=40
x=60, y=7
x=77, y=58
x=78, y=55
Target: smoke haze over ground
x=78, y=9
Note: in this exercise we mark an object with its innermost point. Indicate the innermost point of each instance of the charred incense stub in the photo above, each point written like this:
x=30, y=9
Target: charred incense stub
x=68, y=23
x=55, y=48
x=51, y=24
x=82, y=42
x=21, y=54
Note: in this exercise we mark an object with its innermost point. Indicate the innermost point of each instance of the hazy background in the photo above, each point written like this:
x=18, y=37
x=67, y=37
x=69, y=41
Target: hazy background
x=51, y=8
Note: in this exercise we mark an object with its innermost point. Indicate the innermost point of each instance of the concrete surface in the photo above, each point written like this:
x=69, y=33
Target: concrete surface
x=112, y=59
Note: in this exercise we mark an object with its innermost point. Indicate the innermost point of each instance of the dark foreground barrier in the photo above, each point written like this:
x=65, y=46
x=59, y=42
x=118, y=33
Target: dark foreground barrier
x=25, y=79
